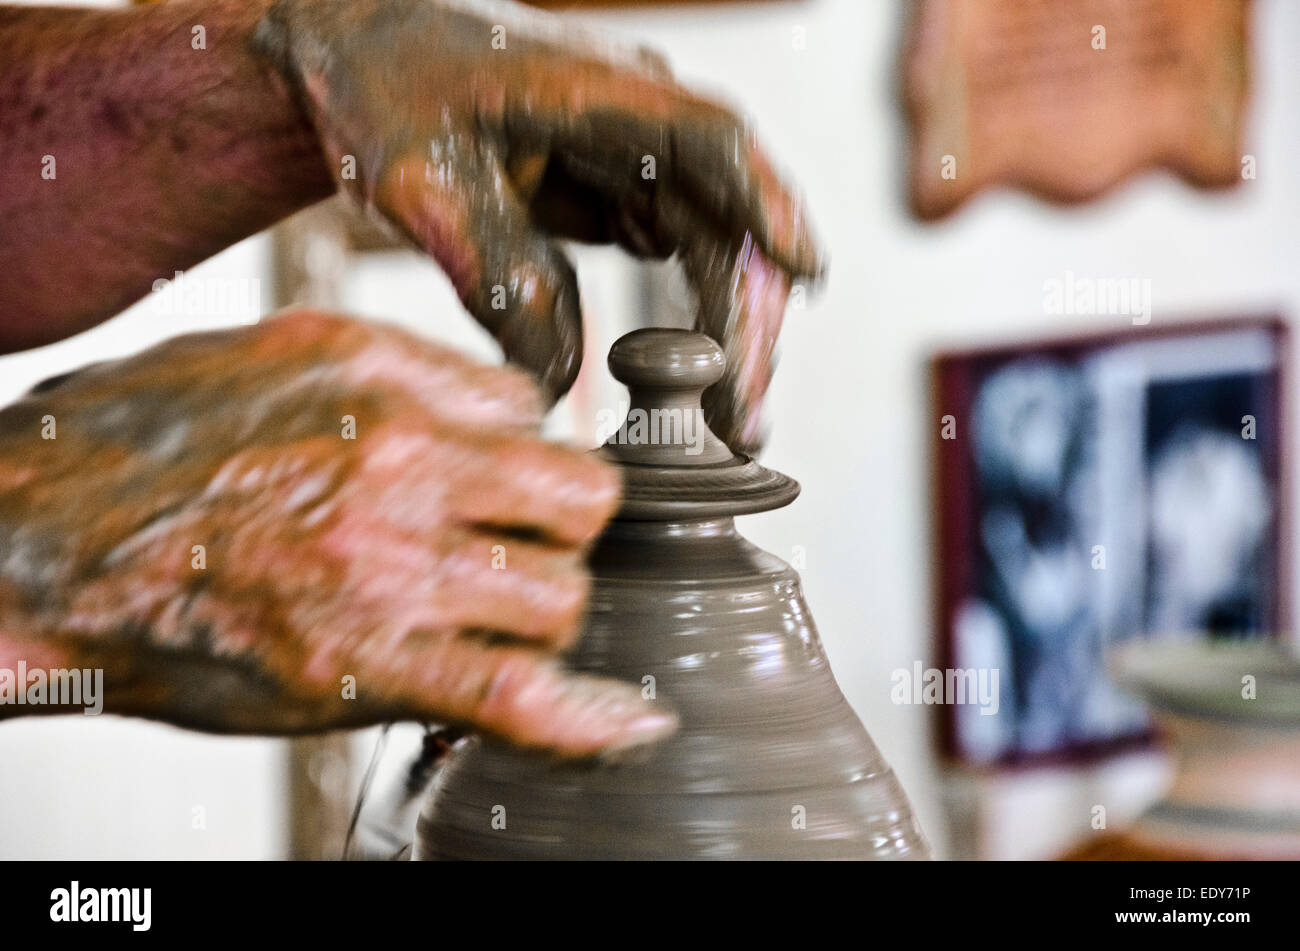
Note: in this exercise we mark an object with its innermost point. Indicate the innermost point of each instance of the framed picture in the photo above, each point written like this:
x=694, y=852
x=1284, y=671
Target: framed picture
x=1094, y=490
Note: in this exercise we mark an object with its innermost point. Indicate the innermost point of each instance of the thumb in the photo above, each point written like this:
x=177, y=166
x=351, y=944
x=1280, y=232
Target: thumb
x=457, y=204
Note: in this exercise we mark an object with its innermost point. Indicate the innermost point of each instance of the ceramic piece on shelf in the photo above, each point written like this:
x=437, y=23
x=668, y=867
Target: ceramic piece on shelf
x=1230, y=715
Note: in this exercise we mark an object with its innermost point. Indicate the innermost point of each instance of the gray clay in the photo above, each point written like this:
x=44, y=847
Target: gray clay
x=770, y=761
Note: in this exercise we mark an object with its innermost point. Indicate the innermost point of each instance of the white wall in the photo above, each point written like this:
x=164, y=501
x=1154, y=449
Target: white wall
x=848, y=410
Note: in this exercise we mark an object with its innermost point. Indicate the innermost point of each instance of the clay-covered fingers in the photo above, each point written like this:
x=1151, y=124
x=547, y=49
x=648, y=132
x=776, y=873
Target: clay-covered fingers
x=635, y=134
x=445, y=382
x=456, y=201
x=418, y=475
x=524, y=698
x=719, y=163
x=501, y=584
x=521, y=484
x=743, y=297
x=565, y=204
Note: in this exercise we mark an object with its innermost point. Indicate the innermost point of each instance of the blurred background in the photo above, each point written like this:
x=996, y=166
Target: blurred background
x=1071, y=428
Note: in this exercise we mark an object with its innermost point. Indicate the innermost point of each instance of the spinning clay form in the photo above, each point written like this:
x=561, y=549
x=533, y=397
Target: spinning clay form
x=770, y=761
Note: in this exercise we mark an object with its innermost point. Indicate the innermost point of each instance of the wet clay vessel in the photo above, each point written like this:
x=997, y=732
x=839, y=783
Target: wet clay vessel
x=770, y=760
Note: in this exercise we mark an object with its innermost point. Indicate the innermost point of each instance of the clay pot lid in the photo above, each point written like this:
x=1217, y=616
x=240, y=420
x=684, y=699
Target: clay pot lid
x=673, y=466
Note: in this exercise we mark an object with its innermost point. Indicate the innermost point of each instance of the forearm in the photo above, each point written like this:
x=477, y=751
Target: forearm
x=126, y=154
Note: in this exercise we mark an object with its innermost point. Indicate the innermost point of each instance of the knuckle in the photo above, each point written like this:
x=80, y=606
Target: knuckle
x=513, y=390
x=504, y=677
x=569, y=607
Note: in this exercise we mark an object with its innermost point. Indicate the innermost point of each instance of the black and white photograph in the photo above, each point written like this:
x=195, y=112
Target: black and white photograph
x=1112, y=490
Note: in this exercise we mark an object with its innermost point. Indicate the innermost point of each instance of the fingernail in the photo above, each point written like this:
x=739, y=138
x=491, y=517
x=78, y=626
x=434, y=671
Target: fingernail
x=615, y=715
x=650, y=726
x=639, y=734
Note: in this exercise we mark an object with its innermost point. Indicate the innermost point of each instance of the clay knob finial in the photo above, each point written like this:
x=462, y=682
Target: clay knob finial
x=674, y=467
x=656, y=356
x=666, y=372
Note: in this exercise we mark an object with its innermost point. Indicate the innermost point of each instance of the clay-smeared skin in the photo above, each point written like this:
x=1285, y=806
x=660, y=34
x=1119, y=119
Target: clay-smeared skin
x=328, y=557
x=482, y=155
x=166, y=154
x=325, y=556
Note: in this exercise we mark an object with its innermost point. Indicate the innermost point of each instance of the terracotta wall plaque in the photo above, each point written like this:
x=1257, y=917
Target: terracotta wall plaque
x=1066, y=98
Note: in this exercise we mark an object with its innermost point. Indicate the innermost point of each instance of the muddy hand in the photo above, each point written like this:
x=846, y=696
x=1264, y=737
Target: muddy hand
x=309, y=523
x=486, y=131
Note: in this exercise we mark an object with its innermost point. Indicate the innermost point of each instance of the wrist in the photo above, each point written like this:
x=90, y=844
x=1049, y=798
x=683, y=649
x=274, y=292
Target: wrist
x=224, y=91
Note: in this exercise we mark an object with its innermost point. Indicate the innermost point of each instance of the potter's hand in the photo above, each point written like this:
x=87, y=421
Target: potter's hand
x=247, y=529
x=484, y=131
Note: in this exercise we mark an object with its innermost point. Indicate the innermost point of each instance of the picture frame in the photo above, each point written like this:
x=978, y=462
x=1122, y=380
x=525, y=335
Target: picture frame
x=1093, y=489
